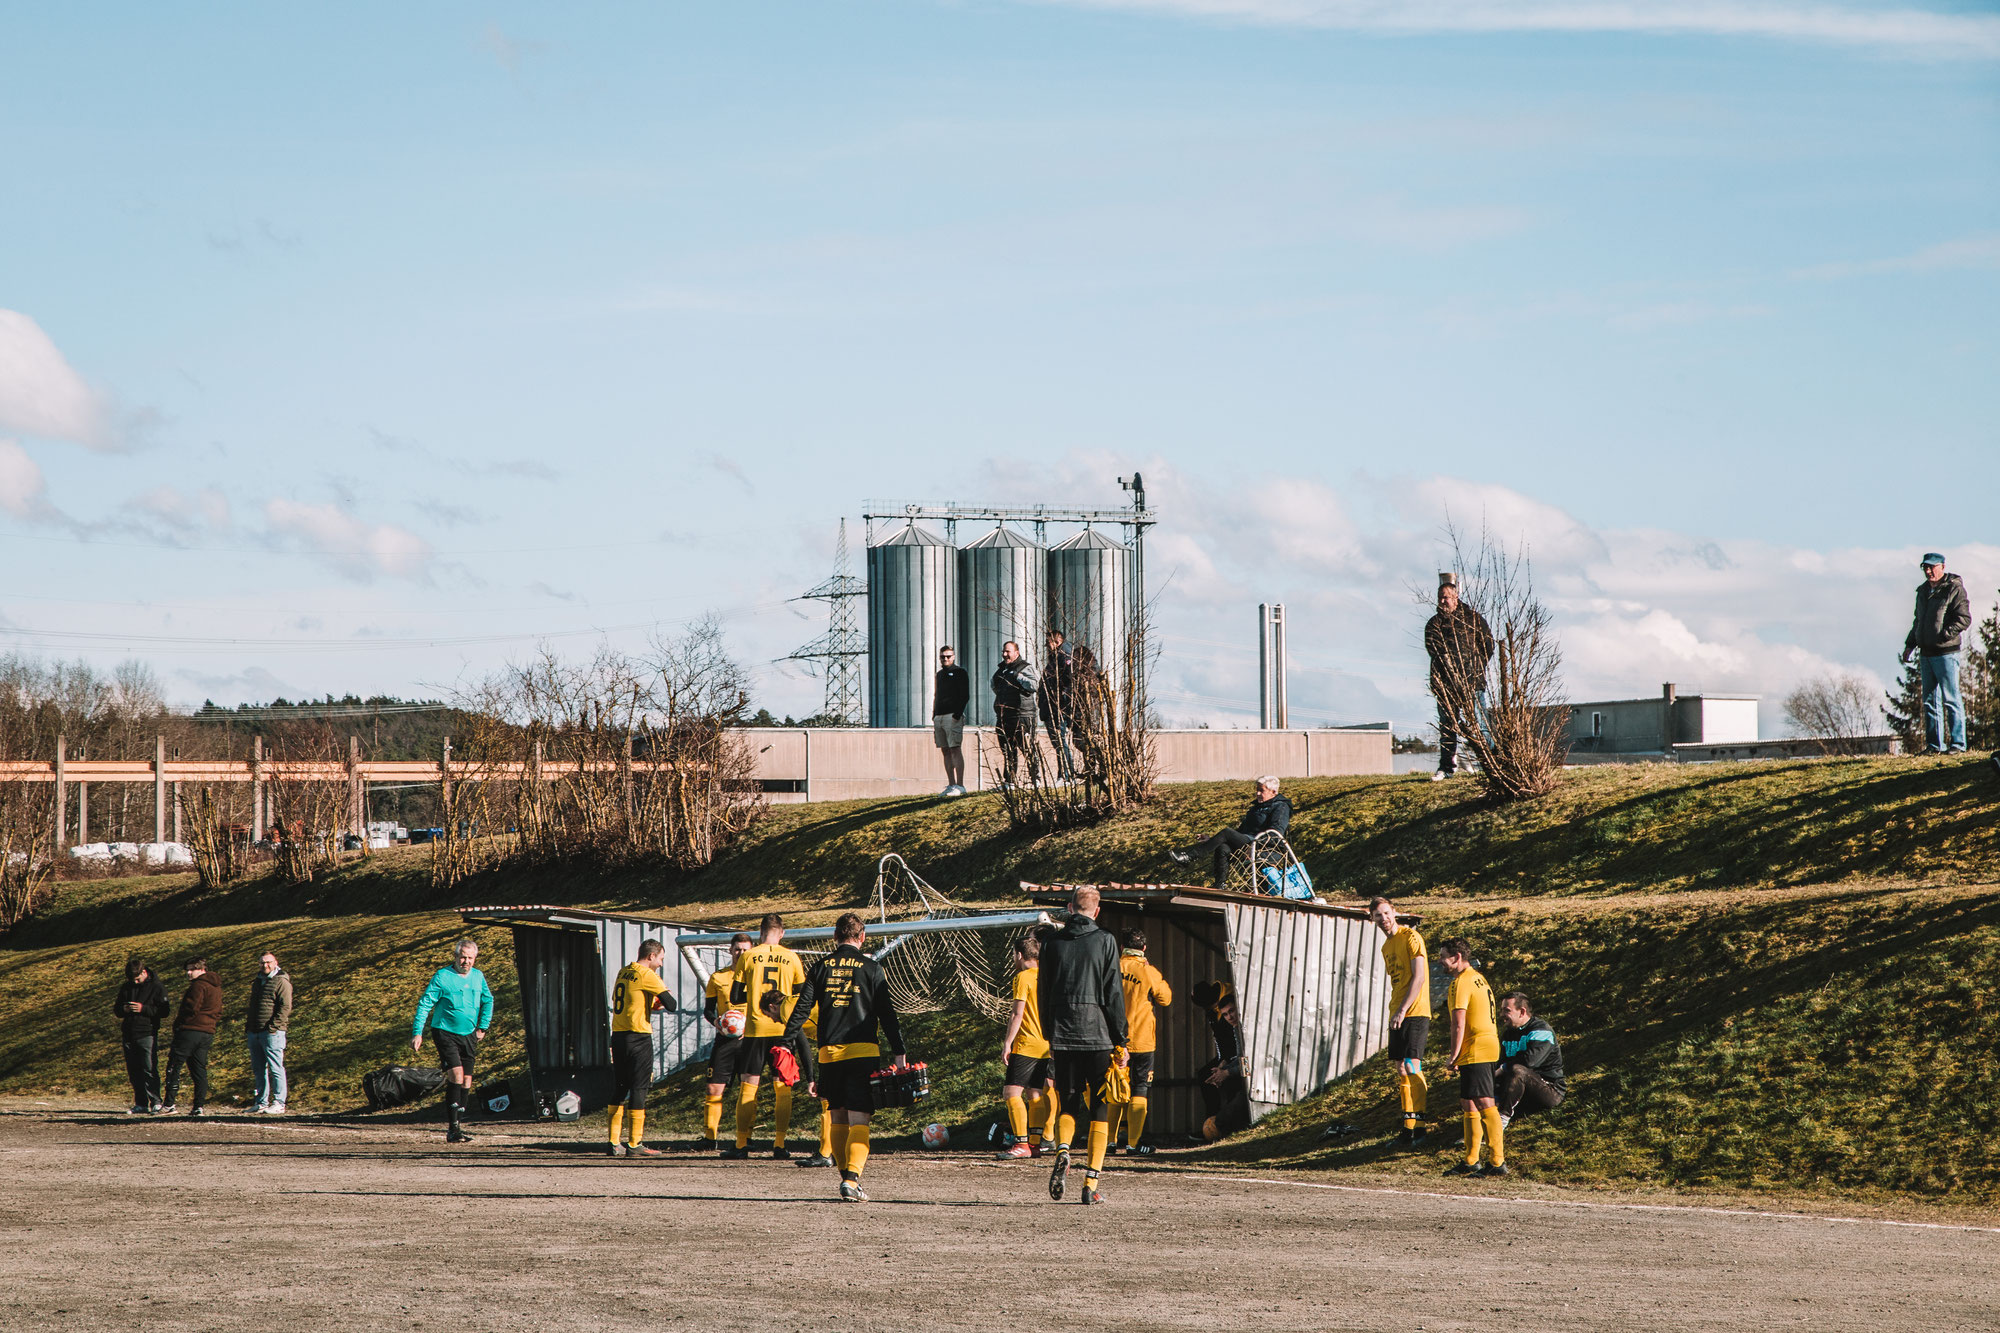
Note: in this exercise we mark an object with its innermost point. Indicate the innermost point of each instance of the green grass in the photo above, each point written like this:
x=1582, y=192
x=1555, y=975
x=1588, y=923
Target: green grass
x=1766, y=976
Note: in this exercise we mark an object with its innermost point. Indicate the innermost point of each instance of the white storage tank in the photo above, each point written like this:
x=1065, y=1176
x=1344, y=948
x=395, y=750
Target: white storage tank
x=912, y=613
x=1000, y=580
x=1089, y=598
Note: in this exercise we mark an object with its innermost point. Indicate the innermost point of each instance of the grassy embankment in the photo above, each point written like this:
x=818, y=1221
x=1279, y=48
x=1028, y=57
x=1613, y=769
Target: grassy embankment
x=1764, y=975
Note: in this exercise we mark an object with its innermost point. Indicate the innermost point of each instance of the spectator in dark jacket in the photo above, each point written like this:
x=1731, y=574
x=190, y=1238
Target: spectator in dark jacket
x=1460, y=645
x=264, y=1027
x=1058, y=685
x=1530, y=1077
x=951, y=691
x=1269, y=812
x=194, y=1032
x=1014, y=685
x=141, y=1004
x=1080, y=998
x=1224, y=1081
x=1943, y=614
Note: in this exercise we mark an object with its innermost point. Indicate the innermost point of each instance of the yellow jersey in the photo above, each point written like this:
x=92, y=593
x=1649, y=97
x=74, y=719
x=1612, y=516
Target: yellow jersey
x=1400, y=953
x=1144, y=987
x=632, y=998
x=720, y=987
x=1029, y=1041
x=1470, y=992
x=769, y=969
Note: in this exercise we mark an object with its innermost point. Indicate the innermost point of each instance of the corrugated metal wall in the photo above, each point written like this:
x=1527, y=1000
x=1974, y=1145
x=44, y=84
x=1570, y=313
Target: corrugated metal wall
x=562, y=1013
x=1314, y=996
x=680, y=1035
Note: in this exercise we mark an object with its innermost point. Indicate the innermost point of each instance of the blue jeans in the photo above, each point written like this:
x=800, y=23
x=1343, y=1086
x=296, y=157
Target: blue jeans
x=1943, y=707
x=267, y=1068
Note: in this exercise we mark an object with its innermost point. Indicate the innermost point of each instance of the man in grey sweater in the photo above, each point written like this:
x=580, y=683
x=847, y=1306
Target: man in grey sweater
x=264, y=1027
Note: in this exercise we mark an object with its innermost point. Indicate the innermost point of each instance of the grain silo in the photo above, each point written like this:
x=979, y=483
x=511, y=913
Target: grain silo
x=1089, y=598
x=1000, y=581
x=912, y=612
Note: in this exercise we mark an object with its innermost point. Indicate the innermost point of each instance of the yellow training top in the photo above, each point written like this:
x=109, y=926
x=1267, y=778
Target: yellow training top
x=1144, y=988
x=769, y=969
x=632, y=998
x=1029, y=1041
x=720, y=987
x=1470, y=992
x=1399, y=954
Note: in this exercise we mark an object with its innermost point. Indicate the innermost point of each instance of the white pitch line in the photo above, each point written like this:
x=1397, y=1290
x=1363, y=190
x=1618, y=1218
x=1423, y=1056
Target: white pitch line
x=1585, y=1203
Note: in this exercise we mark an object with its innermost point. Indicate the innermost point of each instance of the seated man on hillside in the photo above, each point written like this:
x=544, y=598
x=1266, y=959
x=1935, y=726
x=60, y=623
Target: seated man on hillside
x=1269, y=812
x=1530, y=1077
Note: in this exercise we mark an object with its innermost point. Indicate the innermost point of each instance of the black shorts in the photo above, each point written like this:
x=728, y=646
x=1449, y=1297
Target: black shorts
x=756, y=1056
x=1141, y=1065
x=725, y=1061
x=843, y=1084
x=631, y=1068
x=455, y=1050
x=1026, y=1071
x=1476, y=1081
x=1408, y=1041
x=1079, y=1074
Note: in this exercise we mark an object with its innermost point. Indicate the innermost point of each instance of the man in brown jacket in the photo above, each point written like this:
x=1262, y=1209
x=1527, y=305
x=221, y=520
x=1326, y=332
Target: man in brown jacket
x=194, y=1032
x=264, y=1028
x=1460, y=646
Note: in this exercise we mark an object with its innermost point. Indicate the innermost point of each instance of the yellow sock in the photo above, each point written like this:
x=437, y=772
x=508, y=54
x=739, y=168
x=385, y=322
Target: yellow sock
x=825, y=1131
x=638, y=1119
x=839, y=1153
x=1038, y=1110
x=1423, y=1087
x=1496, y=1141
x=1100, y=1139
x=1065, y=1130
x=782, y=1116
x=746, y=1114
x=711, y=1117
x=1017, y=1117
x=1474, y=1135
x=1406, y=1093
x=1049, y=1120
x=1135, y=1121
x=857, y=1149
x=617, y=1123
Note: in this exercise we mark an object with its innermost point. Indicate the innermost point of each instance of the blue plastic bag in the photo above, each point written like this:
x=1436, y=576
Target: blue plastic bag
x=1294, y=882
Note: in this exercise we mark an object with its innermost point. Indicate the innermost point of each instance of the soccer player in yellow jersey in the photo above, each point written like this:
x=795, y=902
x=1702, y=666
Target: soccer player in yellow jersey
x=1475, y=1050
x=1025, y=1054
x=1409, y=1014
x=726, y=1057
x=768, y=976
x=635, y=996
x=1145, y=989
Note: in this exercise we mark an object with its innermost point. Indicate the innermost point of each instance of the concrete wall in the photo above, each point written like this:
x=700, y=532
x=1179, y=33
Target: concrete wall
x=852, y=763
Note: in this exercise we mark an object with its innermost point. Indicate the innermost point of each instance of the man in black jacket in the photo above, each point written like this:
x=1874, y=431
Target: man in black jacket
x=1080, y=996
x=1224, y=1080
x=1460, y=645
x=141, y=1004
x=856, y=1015
x=1942, y=615
x=1530, y=1077
x=1268, y=811
x=1014, y=685
x=951, y=691
x=1058, y=677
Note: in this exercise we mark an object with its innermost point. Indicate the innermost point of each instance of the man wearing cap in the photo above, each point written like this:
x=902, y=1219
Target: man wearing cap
x=1460, y=645
x=1943, y=614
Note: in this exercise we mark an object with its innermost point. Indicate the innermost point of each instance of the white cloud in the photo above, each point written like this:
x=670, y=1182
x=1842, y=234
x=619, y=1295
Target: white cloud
x=184, y=513
x=357, y=549
x=23, y=492
x=40, y=393
x=1918, y=31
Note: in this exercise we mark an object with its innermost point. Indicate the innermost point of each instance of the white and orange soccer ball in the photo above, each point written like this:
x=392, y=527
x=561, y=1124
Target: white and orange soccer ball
x=732, y=1023
x=936, y=1136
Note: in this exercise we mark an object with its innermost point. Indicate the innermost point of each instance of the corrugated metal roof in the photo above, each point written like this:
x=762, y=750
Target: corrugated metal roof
x=545, y=913
x=1195, y=895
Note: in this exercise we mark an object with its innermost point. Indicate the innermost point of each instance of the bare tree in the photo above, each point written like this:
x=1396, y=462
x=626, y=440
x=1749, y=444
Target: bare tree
x=1834, y=710
x=1509, y=710
x=306, y=811
x=209, y=838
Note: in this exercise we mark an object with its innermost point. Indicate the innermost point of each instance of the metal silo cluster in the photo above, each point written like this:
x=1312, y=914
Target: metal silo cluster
x=922, y=594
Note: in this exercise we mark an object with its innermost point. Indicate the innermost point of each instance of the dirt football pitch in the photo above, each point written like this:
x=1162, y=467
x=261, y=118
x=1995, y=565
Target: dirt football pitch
x=115, y=1222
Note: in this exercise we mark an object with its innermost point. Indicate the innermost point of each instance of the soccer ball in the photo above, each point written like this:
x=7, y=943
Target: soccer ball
x=732, y=1023
x=936, y=1136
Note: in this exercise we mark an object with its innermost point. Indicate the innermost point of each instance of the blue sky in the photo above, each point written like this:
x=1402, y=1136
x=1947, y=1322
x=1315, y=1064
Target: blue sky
x=356, y=349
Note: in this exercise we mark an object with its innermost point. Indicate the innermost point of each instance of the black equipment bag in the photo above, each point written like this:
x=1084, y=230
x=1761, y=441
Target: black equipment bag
x=399, y=1085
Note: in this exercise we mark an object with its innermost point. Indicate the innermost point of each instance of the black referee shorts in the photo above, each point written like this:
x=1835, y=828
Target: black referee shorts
x=455, y=1050
x=1026, y=1071
x=1079, y=1074
x=1408, y=1041
x=631, y=1068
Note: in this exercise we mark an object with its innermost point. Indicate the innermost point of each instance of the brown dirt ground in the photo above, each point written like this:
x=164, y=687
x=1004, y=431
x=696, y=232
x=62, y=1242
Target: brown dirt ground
x=108, y=1221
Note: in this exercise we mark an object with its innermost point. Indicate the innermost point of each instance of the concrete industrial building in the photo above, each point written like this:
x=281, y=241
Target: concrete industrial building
x=1631, y=728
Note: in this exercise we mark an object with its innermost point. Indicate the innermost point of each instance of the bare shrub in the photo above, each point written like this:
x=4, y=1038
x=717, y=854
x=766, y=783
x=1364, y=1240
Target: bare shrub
x=308, y=798
x=1113, y=767
x=1510, y=711
x=1835, y=711
x=208, y=836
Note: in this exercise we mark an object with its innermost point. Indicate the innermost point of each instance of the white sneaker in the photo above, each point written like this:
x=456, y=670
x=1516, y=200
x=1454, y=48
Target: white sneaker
x=275, y=1108
x=1439, y=776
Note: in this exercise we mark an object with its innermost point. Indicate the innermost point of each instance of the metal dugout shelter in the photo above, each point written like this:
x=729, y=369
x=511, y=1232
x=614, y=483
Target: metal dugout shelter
x=1309, y=978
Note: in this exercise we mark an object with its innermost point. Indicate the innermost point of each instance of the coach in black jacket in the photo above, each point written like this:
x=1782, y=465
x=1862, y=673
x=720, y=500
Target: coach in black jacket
x=141, y=1004
x=1080, y=998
